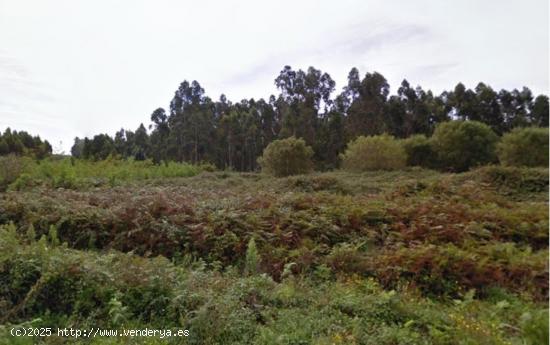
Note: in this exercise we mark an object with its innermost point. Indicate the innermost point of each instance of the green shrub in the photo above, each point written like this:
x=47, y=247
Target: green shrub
x=11, y=167
x=514, y=182
x=24, y=181
x=535, y=327
x=524, y=147
x=286, y=157
x=346, y=258
x=252, y=260
x=78, y=173
x=208, y=167
x=315, y=183
x=419, y=151
x=379, y=152
x=460, y=145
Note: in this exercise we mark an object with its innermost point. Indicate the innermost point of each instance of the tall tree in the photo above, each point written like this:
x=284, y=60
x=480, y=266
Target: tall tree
x=78, y=146
x=539, y=111
x=159, y=135
x=488, y=107
x=303, y=94
x=140, y=149
x=367, y=100
x=233, y=135
x=417, y=117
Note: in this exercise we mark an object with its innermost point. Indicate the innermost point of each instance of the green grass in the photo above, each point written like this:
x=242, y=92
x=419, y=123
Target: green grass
x=404, y=257
x=78, y=174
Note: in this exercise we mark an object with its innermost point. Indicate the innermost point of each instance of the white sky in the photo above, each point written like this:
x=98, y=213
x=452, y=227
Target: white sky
x=78, y=68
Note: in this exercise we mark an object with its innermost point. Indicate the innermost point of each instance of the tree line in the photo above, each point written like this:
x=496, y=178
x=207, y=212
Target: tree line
x=23, y=144
x=233, y=135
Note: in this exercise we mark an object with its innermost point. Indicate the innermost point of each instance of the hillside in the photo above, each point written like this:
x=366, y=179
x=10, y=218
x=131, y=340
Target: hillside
x=405, y=257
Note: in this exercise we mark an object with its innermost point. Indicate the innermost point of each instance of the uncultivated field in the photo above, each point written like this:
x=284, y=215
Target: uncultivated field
x=404, y=257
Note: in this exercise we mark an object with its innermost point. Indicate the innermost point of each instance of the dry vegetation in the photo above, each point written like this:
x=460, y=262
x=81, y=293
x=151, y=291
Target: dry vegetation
x=402, y=257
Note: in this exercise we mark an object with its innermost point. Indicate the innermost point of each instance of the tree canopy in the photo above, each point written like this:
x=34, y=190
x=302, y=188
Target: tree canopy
x=23, y=144
x=197, y=128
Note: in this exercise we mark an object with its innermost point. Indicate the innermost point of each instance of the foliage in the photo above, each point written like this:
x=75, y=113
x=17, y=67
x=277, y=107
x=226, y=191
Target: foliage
x=524, y=147
x=461, y=145
x=123, y=290
x=419, y=151
x=379, y=152
x=449, y=270
x=252, y=260
x=409, y=257
x=11, y=168
x=286, y=157
x=23, y=144
x=515, y=182
x=535, y=326
x=315, y=183
x=232, y=135
x=75, y=173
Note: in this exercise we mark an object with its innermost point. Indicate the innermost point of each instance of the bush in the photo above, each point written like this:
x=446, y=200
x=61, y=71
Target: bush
x=460, y=145
x=448, y=270
x=316, y=183
x=347, y=258
x=524, y=147
x=252, y=260
x=286, y=157
x=78, y=173
x=535, y=327
x=514, y=181
x=11, y=167
x=419, y=151
x=379, y=152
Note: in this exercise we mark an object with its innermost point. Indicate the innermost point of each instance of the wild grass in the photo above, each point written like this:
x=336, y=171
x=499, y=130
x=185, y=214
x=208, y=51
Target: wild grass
x=77, y=174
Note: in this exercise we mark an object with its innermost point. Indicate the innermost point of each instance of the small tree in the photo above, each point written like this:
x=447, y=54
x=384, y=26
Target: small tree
x=379, y=152
x=286, y=157
x=252, y=260
x=460, y=145
x=419, y=151
x=524, y=147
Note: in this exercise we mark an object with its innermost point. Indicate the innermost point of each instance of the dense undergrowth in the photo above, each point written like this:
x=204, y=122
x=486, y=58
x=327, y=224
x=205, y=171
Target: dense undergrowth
x=402, y=257
x=17, y=173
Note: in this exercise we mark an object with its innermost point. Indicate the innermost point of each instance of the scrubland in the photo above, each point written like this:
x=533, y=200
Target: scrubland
x=411, y=256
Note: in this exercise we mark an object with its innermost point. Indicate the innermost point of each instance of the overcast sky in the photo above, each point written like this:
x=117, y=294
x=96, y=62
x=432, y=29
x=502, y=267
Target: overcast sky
x=78, y=68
